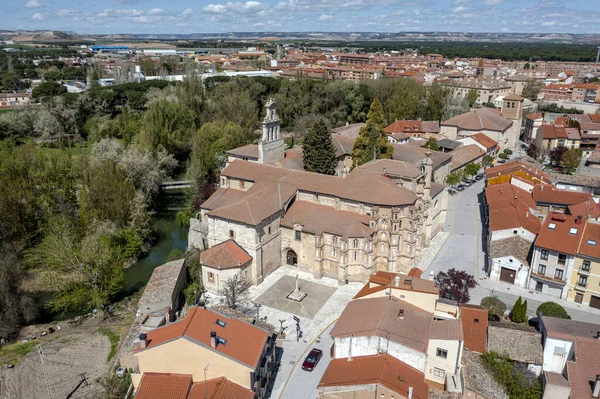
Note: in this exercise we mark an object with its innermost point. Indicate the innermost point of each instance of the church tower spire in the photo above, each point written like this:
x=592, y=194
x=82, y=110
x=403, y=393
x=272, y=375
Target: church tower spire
x=271, y=147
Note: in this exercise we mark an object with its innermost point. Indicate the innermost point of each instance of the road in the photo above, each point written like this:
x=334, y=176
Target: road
x=303, y=384
x=464, y=250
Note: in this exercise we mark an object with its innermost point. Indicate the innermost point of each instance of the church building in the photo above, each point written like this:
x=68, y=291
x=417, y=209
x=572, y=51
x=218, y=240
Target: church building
x=379, y=217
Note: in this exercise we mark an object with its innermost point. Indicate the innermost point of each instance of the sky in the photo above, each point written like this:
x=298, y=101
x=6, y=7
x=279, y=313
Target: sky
x=208, y=16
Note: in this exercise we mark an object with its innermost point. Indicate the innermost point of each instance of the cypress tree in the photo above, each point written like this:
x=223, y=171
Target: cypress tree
x=519, y=311
x=372, y=142
x=319, y=152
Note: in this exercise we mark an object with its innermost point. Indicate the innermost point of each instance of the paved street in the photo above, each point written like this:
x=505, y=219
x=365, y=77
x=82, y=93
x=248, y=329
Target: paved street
x=303, y=384
x=464, y=250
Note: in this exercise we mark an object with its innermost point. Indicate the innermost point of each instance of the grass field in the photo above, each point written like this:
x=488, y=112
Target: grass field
x=114, y=339
x=13, y=352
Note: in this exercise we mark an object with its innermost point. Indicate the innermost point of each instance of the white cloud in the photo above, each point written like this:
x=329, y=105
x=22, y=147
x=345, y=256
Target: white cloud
x=459, y=9
x=33, y=4
x=549, y=23
x=215, y=9
x=324, y=17
x=249, y=7
x=156, y=11
x=187, y=12
x=492, y=2
x=37, y=17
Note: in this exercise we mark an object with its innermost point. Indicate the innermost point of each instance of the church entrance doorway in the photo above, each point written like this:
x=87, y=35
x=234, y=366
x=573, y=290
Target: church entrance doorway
x=291, y=258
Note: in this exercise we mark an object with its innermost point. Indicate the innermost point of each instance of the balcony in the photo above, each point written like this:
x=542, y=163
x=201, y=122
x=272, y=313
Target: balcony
x=584, y=271
x=547, y=279
x=579, y=287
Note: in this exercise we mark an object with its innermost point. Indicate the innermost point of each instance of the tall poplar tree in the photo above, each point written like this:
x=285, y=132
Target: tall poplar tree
x=319, y=152
x=372, y=142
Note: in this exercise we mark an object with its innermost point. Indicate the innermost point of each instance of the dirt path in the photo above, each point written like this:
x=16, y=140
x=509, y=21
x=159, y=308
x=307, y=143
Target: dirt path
x=66, y=356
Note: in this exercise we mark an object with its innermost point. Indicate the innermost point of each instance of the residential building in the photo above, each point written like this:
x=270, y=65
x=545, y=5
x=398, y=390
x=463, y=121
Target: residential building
x=557, y=92
x=532, y=124
x=208, y=345
x=371, y=326
x=8, y=100
x=553, y=258
x=518, y=173
x=418, y=128
x=559, y=136
x=584, y=284
x=584, y=92
x=474, y=319
x=488, y=145
x=487, y=90
x=182, y=386
x=548, y=199
x=571, y=353
x=464, y=155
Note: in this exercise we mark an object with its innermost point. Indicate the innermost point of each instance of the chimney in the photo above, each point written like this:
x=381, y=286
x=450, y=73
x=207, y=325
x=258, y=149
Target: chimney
x=401, y=314
x=578, y=220
x=410, y=391
x=384, y=170
x=143, y=340
x=397, y=281
x=213, y=339
x=596, y=391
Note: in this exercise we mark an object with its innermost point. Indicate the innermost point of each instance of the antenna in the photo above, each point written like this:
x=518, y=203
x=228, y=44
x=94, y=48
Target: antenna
x=41, y=352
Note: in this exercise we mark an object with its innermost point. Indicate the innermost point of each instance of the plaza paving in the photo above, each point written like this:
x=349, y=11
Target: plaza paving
x=276, y=296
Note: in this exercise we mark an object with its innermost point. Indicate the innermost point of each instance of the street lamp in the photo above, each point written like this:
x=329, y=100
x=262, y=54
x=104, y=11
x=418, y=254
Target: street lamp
x=257, y=306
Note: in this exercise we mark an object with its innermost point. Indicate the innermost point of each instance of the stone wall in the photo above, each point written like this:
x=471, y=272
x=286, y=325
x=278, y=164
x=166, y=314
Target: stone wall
x=523, y=346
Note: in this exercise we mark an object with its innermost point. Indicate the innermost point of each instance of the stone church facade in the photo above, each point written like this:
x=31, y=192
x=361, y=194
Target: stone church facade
x=377, y=218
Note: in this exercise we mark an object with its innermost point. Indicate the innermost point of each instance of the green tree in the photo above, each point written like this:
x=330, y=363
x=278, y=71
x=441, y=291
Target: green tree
x=318, y=149
x=487, y=161
x=531, y=91
x=471, y=169
x=472, y=97
x=552, y=309
x=432, y=144
x=518, y=313
x=452, y=179
x=372, y=142
x=48, y=89
x=570, y=160
x=209, y=147
x=166, y=125
x=83, y=272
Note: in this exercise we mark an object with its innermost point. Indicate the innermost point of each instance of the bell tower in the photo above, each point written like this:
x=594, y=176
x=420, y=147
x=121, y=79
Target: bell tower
x=271, y=147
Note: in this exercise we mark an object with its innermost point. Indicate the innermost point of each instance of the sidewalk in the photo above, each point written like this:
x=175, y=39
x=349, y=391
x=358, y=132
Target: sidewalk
x=507, y=291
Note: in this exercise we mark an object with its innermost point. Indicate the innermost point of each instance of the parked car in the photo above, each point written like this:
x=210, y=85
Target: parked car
x=460, y=187
x=478, y=177
x=312, y=359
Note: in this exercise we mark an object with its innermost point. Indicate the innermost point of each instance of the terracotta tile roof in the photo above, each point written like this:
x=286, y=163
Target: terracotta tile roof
x=383, y=280
x=484, y=140
x=584, y=370
x=416, y=155
x=219, y=388
x=556, y=379
x=226, y=255
x=415, y=272
x=317, y=219
x=222, y=197
x=378, y=369
x=393, y=167
x=343, y=145
x=594, y=117
x=294, y=159
x=504, y=216
x=430, y=126
x=590, y=240
x=507, y=192
x=249, y=151
x=534, y=116
x=585, y=209
x=518, y=166
x=380, y=317
x=164, y=385
x=446, y=330
x=464, y=155
x=245, y=342
x=479, y=119
x=514, y=97
x=570, y=330
x=560, y=238
x=352, y=130
x=404, y=126
x=551, y=132
x=474, y=319
x=159, y=290
x=547, y=194
x=572, y=133
x=516, y=246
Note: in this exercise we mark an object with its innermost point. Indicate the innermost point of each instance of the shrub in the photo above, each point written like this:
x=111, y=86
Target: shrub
x=514, y=381
x=519, y=311
x=502, y=155
x=191, y=293
x=508, y=151
x=494, y=306
x=552, y=309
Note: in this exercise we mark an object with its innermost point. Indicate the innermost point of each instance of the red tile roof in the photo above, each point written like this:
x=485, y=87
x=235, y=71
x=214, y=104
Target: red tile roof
x=479, y=119
x=474, y=320
x=484, y=140
x=518, y=167
x=404, y=126
x=226, y=255
x=378, y=369
x=245, y=342
x=546, y=194
x=534, y=116
x=219, y=388
x=383, y=280
x=560, y=238
x=585, y=209
x=591, y=235
x=164, y=385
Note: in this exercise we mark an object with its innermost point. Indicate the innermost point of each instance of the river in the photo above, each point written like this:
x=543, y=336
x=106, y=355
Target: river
x=169, y=236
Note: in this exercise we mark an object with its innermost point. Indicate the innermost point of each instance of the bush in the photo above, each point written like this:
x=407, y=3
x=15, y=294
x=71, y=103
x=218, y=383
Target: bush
x=519, y=311
x=191, y=293
x=507, y=151
x=494, y=306
x=503, y=155
x=183, y=218
x=175, y=254
x=552, y=309
x=514, y=381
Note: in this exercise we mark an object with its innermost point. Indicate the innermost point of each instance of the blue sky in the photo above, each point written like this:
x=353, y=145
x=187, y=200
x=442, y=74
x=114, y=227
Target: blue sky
x=189, y=16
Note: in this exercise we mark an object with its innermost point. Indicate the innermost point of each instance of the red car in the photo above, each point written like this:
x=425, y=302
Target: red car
x=312, y=359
